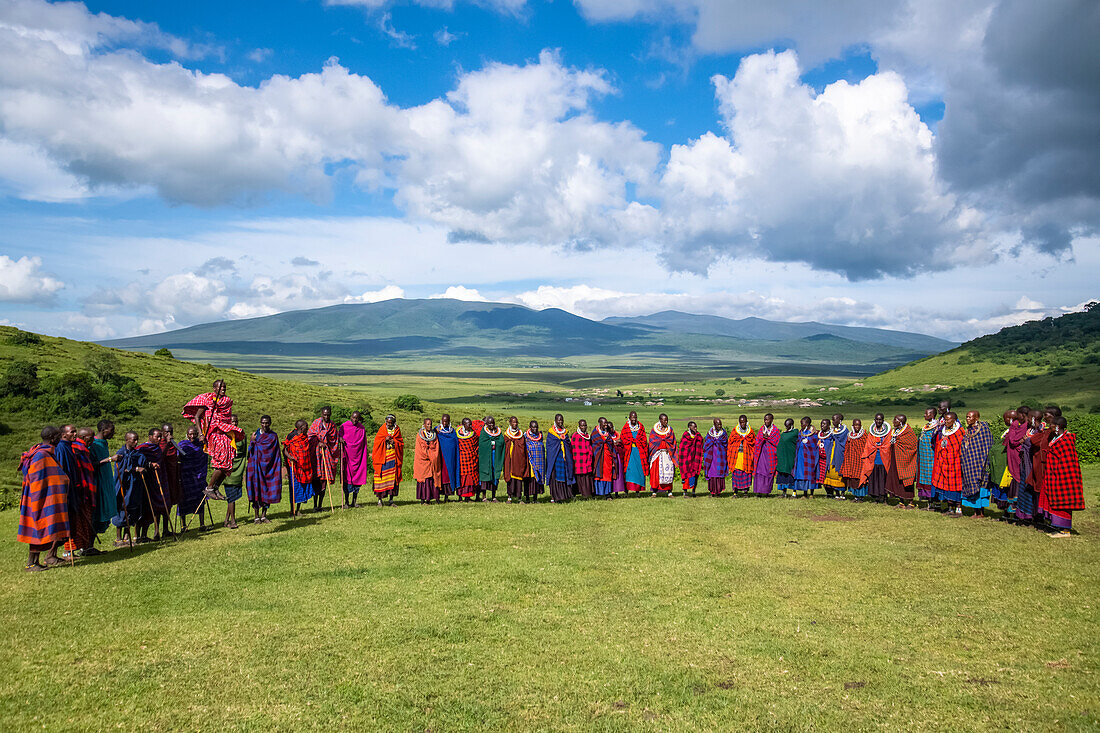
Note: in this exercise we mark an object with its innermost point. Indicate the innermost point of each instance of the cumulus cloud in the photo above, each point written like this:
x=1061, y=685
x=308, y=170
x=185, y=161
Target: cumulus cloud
x=304, y=262
x=374, y=296
x=22, y=281
x=461, y=292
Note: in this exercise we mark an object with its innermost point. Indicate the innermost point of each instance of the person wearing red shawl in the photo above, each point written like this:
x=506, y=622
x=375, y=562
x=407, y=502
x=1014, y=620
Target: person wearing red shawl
x=353, y=447
x=516, y=468
x=76, y=462
x=583, y=462
x=852, y=468
x=83, y=448
x=823, y=434
x=171, y=465
x=1062, y=492
x=1027, y=497
x=876, y=458
x=1040, y=441
x=427, y=464
x=298, y=457
x=764, y=456
x=662, y=457
x=607, y=469
x=324, y=436
x=742, y=440
x=468, y=480
x=212, y=413
x=904, y=463
x=635, y=452
x=387, y=457
x=689, y=457
x=43, y=505
x=947, y=464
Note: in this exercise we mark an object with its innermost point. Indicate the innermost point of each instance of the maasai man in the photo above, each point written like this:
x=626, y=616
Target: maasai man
x=171, y=464
x=325, y=436
x=742, y=440
x=234, y=480
x=947, y=466
x=490, y=458
x=926, y=450
x=427, y=463
x=904, y=462
x=356, y=452
x=876, y=458
x=536, y=459
x=298, y=458
x=1062, y=492
x=210, y=412
x=852, y=468
x=689, y=457
x=106, y=507
x=1040, y=441
x=516, y=469
x=76, y=462
x=1002, y=479
x=152, y=480
x=84, y=439
x=764, y=455
x=716, y=458
x=129, y=465
x=662, y=457
x=974, y=458
x=1027, y=498
x=194, y=464
x=388, y=456
x=448, y=454
x=43, y=505
x=807, y=456
x=607, y=460
x=823, y=433
x=264, y=471
x=834, y=446
x=468, y=479
x=559, y=462
x=785, y=453
x=583, y=464
x=635, y=449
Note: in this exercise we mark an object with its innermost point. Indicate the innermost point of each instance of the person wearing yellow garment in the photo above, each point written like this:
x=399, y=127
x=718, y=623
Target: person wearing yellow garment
x=834, y=444
x=741, y=441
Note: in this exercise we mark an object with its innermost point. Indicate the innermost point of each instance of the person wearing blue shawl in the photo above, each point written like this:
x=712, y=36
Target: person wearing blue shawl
x=106, y=506
x=448, y=454
x=559, y=462
x=834, y=444
x=536, y=459
x=194, y=464
x=129, y=466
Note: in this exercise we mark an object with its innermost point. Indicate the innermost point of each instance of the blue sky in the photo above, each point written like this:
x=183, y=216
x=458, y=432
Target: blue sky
x=924, y=166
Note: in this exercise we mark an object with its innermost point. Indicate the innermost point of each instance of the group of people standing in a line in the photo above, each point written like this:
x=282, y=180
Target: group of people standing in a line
x=74, y=488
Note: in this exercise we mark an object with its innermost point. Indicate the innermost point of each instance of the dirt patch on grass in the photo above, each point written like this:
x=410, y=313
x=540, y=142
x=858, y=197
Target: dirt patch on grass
x=854, y=685
x=727, y=685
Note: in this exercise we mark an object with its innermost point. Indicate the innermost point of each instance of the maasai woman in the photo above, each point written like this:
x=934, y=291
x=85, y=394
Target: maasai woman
x=325, y=437
x=852, y=468
x=1039, y=435
x=194, y=464
x=689, y=457
x=559, y=462
x=299, y=457
x=785, y=453
x=1002, y=489
x=448, y=456
x=535, y=484
x=1062, y=490
x=662, y=452
x=43, y=505
x=264, y=473
x=607, y=465
x=1019, y=441
x=834, y=446
x=974, y=459
x=947, y=468
x=516, y=469
x=876, y=458
x=583, y=463
x=427, y=464
x=764, y=456
x=490, y=458
x=356, y=452
x=234, y=480
x=210, y=412
x=742, y=440
x=903, y=463
x=635, y=450
x=388, y=456
x=926, y=450
x=468, y=480
x=716, y=458
x=807, y=455
x=822, y=458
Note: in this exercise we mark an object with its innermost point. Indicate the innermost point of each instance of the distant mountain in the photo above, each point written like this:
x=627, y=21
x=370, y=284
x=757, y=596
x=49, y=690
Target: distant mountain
x=443, y=327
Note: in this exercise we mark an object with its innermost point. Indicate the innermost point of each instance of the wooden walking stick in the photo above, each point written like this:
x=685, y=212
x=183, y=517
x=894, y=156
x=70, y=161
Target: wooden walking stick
x=167, y=512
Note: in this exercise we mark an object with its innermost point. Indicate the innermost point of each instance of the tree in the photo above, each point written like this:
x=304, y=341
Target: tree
x=21, y=379
x=24, y=338
x=408, y=402
x=719, y=392
x=163, y=352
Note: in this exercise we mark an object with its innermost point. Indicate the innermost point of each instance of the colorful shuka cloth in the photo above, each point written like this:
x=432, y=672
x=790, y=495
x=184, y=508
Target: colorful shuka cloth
x=326, y=441
x=490, y=458
x=153, y=479
x=635, y=452
x=926, y=450
x=1027, y=499
x=715, y=460
x=807, y=454
x=903, y=463
x=234, y=480
x=834, y=446
x=193, y=469
x=560, y=475
x=356, y=451
x=536, y=460
x=606, y=461
x=822, y=458
x=171, y=470
x=427, y=465
x=974, y=459
x=583, y=463
x=784, y=459
x=467, y=462
x=76, y=462
x=133, y=509
x=448, y=454
x=216, y=427
x=1063, y=490
x=852, y=468
x=689, y=458
x=43, y=505
x=516, y=468
x=877, y=453
x=764, y=454
x=947, y=469
x=740, y=447
x=106, y=506
x=387, y=457
x=299, y=454
x=662, y=462
x=265, y=469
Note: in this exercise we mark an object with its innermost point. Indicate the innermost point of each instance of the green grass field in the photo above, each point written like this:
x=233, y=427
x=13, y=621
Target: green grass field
x=655, y=614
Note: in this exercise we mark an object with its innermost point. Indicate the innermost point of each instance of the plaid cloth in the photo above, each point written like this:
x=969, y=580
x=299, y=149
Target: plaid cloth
x=764, y=454
x=297, y=446
x=467, y=459
x=536, y=456
x=852, y=466
x=559, y=456
x=634, y=440
x=690, y=454
x=43, y=507
x=1062, y=486
x=326, y=439
x=926, y=450
x=582, y=452
x=265, y=469
x=714, y=454
x=1040, y=441
x=738, y=442
x=947, y=467
x=974, y=456
x=806, y=456
x=834, y=447
x=216, y=427
x=603, y=455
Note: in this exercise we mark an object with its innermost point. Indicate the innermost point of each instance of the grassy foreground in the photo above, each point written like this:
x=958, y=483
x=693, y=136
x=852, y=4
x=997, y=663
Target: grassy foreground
x=659, y=614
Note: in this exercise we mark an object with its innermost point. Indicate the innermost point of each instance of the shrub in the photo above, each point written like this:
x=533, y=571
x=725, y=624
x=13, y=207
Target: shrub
x=719, y=392
x=408, y=402
x=20, y=378
x=163, y=352
x=1087, y=428
x=24, y=338
x=83, y=395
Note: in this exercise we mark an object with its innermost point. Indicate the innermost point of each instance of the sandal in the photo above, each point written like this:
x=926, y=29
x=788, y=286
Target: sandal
x=53, y=562
x=33, y=568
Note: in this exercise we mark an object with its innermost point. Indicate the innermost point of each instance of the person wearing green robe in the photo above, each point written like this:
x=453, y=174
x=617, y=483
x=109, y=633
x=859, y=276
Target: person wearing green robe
x=490, y=458
x=784, y=457
x=106, y=504
x=234, y=480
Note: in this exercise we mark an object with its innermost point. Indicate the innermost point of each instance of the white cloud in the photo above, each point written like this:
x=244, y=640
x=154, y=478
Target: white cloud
x=509, y=6
x=22, y=281
x=374, y=296
x=260, y=55
x=445, y=38
x=461, y=292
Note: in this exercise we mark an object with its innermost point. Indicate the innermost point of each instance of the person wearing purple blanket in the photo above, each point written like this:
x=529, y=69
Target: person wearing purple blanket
x=764, y=460
x=264, y=472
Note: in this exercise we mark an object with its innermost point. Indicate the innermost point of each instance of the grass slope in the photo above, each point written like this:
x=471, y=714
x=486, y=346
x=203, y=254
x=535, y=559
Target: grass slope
x=644, y=614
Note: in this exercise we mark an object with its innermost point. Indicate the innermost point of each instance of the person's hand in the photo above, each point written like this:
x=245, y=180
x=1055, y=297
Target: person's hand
x=139, y=469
